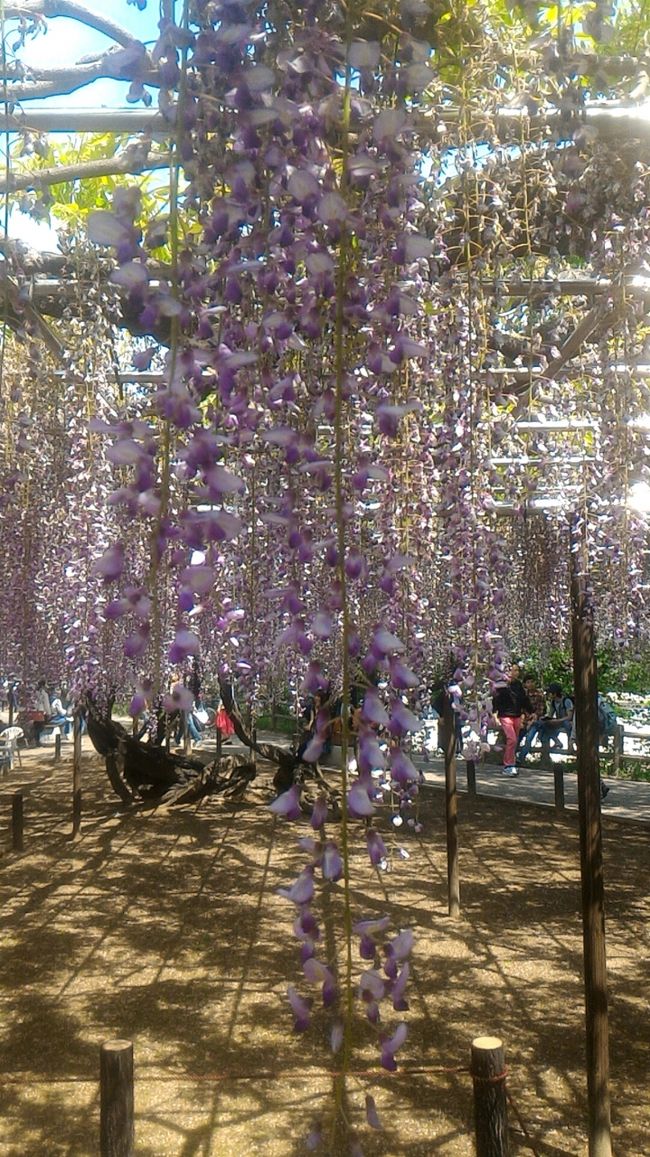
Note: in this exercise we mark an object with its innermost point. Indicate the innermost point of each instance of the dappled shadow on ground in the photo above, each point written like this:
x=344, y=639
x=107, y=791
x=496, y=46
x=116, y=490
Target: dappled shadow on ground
x=165, y=927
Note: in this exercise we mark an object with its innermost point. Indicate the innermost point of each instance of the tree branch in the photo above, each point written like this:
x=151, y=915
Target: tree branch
x=126, y=162
x=53, y=8
x=60, y=81
x=19, y=313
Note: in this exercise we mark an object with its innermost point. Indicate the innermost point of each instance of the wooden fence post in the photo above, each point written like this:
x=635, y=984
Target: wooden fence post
x=585, y=675
x=76, y=774
x=558, y=787
x=17, y=827
x=487, y=1068
x=619, y=732
x=470, y=768
x=116, y=1125
x=57, y=748
x=451, y=807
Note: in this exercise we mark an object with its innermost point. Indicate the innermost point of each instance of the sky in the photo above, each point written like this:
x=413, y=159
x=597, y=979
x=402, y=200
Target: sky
x=67, y=42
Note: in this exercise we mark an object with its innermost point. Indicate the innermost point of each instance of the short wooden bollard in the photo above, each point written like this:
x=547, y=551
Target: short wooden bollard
x=17, y=815
x=76, y=775
x=490, y=1105
x=618, y=747
x=116, y=1126
x=558, y=787
x=470, y=768
x=57, y=748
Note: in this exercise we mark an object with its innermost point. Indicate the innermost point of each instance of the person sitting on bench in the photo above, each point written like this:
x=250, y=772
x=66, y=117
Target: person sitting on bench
x=59, y=714
x=559, y=720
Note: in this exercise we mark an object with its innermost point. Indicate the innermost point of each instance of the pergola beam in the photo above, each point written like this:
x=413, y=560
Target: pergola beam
x=88, y=120
x=566, y=286
x=610, y=119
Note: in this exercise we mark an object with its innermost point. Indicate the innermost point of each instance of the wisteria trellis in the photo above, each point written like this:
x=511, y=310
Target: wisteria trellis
x=314, y=485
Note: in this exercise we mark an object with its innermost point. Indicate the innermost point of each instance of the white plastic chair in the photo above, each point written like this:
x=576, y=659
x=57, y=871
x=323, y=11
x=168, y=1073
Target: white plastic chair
x=14, y=736
x=7, y=750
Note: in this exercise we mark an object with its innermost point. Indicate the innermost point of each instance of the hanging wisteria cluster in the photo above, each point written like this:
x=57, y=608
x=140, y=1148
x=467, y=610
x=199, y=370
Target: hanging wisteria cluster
x=295, y=336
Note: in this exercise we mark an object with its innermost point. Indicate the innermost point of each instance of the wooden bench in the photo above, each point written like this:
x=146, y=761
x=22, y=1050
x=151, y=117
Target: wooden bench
x=49, y=732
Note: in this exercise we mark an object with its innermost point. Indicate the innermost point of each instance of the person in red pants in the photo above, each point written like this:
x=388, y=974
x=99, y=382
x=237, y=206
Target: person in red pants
x=509, y=703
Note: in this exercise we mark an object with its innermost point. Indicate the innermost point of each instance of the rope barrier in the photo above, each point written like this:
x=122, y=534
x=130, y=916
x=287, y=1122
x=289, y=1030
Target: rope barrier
x=495, y=1080
x=271, y=1074
x=262, y=1075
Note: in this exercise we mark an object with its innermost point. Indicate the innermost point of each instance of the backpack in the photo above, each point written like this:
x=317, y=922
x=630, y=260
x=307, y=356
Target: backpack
x=607, y=718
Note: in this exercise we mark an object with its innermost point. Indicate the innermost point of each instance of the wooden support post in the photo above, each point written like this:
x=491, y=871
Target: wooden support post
x=470, y=767
x=120, y=759
x=451, y=807
x=591, y=854
x=558, y=787
x=617, y=741
x=218, y=744
x=253, y=754
x=57, y=748
x=76, y=775
x=17, y=825
x=488, y=1069
x=116, y=1127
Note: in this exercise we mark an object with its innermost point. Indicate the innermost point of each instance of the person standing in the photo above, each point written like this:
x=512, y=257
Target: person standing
x=42, y=709
x=531, y=724
x=509, y=703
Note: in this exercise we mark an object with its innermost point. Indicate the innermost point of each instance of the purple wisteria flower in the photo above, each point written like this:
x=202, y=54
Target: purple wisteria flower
x=402, y=720
x=368, y=931
x=372, y=989
x=318, y=973
x=306, y=926
x=372, y=1116
x=373, y=710
x=288, y=804
x=302, y=889
x=185, y=643
x=336, y=1036
x=390, y=1045
x=359, y=802
x=397, y=950
x=399, y=987
x=111, y=564
x=313, y=749
x=332, y=863
x=371, y=756
x=319, y=813
x=402, y=770
x=376, y=848
x=300, y=1008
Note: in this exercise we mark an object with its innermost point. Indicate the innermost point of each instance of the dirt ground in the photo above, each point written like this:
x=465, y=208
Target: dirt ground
x=164, y=927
